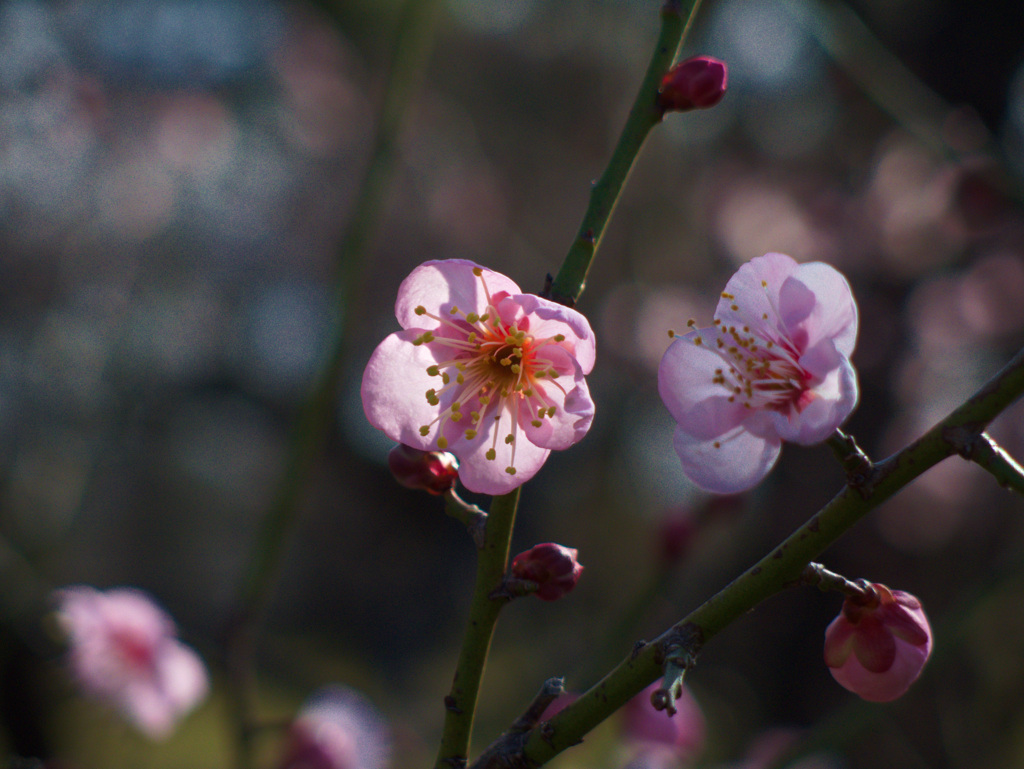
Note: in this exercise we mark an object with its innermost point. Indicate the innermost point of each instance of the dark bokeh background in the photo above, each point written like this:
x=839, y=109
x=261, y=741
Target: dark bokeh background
x=174, y=181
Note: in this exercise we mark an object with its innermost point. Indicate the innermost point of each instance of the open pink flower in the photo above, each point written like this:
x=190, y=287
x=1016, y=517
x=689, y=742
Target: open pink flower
x=774, y=366
x=878, y=645
x=492, y=375
x=123, y=649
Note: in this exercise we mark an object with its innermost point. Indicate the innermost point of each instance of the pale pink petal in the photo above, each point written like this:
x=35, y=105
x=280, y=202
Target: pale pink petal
x=755, y=303
x=573, y=415
x=685, y=382
x=558, y=319
x=182, y=676
x=438, y=285
x=834, y=400
x=834, y=315
x=394, y=387
x=486, y=476
x=887, y=686
x=735, y=461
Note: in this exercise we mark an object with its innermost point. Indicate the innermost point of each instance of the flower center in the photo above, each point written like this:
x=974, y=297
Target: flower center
x=762, y=368
x=489, y=371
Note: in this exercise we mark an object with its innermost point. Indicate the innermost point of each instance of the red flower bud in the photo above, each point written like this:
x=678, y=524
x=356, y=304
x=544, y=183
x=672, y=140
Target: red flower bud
x=554, y=568
x=431, y=471
x=879, y=643
x=696, y=83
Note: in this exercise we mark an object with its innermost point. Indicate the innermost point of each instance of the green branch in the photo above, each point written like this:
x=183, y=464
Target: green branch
x=643, y=116
x=780, y=568
x=492, y=562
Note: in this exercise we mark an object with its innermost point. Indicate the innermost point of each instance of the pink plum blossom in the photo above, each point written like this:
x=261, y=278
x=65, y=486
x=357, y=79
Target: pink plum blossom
x=337, y=729
x=773, y=366
x=482, y=370
x=879, y=643
x=123, y=649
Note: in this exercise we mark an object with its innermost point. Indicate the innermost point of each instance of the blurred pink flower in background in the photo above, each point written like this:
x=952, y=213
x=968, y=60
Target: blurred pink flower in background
x=123, y=649
x=774, y=366
x=478, y=371
x=878, y=646
x=661, y=740
x=337, y=728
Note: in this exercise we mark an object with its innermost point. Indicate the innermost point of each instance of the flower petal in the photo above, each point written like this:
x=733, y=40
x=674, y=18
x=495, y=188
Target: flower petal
x=834, y=400
x=735, y=462
x=685, y=382
x=834, y=314
x=438, y=285
x=559, y=319
x=488, y=476
x=394, y=388
x=754, y=292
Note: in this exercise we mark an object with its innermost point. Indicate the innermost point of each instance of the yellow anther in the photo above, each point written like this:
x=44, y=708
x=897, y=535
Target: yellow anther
x=510, y=470
x=421, y=310
x=516, y=368
x=454, y=310
x=433, y=371
x=691, y=323
x=460, y=379
x=509, y=438
x=425, y=430
x=536, y=423
x=472, y=317
x=727, y=296
x=491, y=454
x=478, y=272
x=698, y=341
x=671, y=334
x=470, y=434
x=764, y=284
x=734, y=307
x=551, y=412
x=442, y=442
x=559, y=337
x=445, y=378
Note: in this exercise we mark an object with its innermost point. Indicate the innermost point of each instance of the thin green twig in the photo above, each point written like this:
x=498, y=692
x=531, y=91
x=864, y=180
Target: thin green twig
x=676, y=18
x=492, y=562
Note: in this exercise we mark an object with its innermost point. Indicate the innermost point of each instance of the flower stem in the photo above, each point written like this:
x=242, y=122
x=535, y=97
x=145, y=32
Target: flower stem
x=492, y=563
x=414, y=39
x=779, y=569
x=676, y=18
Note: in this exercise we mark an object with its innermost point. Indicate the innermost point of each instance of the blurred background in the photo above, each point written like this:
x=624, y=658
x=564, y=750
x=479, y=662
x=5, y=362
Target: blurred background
x=175, y=180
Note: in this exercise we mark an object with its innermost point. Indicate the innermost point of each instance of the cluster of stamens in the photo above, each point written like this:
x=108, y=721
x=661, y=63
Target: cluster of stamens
x=487, y=368
x=761, y=371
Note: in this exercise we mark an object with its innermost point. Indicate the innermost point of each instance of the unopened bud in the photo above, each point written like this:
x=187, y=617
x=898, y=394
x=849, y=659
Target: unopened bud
x=879, y=643
x=696, y=83
x=554, y=568
x=431, y=471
